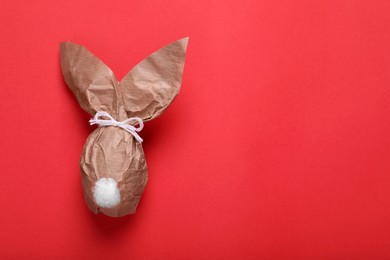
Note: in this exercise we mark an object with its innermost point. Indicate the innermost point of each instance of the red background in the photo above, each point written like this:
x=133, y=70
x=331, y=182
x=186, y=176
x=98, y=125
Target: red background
x=277, y=147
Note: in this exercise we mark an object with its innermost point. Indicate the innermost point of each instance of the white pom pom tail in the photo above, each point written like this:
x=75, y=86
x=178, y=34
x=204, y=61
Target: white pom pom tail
x=106, y=193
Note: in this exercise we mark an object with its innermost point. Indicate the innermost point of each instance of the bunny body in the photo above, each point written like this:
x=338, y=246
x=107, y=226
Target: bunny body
x=111, y=152
x=113, y=166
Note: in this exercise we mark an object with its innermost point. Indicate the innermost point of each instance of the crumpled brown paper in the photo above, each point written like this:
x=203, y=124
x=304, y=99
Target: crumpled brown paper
x=145, y=92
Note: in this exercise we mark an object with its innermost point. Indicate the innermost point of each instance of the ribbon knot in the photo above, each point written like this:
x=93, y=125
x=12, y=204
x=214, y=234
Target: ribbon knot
x=125, y=124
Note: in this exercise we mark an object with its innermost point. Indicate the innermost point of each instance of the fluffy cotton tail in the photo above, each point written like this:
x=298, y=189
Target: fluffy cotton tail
x=106, y=193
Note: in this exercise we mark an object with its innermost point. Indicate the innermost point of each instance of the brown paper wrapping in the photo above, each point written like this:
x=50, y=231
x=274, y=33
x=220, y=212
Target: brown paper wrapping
x=145, y=92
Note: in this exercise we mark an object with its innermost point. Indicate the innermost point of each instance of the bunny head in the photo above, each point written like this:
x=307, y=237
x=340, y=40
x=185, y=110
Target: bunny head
x=113, y=166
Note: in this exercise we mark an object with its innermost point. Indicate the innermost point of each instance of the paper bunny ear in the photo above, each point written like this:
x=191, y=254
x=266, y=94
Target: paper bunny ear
x=152, y=84
x=91, y=81
x=145, y=92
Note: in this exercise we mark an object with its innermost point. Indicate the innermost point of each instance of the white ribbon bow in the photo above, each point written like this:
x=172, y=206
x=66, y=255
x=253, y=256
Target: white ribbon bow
x=125, y=125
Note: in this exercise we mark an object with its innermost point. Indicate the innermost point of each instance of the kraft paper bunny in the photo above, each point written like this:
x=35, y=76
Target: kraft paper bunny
x=113, y=166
